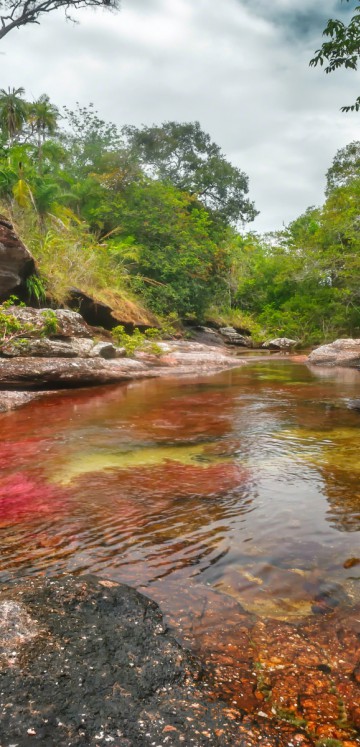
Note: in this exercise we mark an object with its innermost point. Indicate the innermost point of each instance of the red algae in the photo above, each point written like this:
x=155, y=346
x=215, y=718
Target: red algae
x=18, y=453
x=22, y=498
x=171, y=480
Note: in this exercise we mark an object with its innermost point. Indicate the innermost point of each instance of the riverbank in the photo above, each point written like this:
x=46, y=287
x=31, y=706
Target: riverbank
x=25, y=379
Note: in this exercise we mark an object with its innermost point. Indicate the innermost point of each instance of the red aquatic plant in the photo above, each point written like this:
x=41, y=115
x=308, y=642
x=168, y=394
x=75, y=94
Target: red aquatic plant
x=23, y=497
x=18, y=452
x=168, y=480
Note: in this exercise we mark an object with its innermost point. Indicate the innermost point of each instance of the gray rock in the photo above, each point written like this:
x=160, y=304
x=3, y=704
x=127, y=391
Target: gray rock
x=30, y=373
x=345, y=352
x=280, y=343
x=232, y=337
x=69, y=323
x=72, y=347
x=16, y=262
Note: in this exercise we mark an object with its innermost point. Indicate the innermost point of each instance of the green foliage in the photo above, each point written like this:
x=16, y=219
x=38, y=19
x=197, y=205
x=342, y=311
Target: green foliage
x=184, y=155
x=35, y=288
x=145, y=217
x=344, y=168
x=11, y=328
x=51, y=325
x=9, y=325
x=342, y=48
x=137, y=341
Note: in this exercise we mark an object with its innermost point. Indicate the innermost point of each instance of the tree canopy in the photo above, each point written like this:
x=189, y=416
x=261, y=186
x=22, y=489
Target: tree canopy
x=342, y=49
x=17, y=13
x=184, y=155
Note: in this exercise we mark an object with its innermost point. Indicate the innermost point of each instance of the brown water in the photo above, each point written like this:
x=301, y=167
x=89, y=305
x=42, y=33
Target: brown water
x=205, y=493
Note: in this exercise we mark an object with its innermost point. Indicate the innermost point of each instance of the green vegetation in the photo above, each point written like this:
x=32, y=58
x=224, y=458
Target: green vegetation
x=151, y=221
x=138, y=341
x=342, y=48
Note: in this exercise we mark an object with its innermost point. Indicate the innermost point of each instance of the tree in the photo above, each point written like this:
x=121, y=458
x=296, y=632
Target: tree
x=184, y=155
x=13, y=112
x=342, y=49
x=177, y=266
x=345, y=167
x=43, y=117
x=16, y=13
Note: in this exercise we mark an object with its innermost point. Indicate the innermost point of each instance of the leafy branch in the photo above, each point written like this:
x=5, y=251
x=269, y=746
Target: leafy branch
x=341, y=50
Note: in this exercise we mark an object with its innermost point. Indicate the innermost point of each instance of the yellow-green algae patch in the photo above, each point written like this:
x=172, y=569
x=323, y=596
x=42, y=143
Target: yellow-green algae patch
x=98, y=461
x=338, y=447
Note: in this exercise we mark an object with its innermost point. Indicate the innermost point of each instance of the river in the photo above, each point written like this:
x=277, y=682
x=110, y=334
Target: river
x=213, y=495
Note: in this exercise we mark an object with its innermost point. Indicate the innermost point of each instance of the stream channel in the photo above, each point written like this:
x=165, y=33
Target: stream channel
x=227, y=499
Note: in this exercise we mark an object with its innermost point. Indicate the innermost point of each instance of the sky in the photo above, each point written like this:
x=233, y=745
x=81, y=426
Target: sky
x=239, y=67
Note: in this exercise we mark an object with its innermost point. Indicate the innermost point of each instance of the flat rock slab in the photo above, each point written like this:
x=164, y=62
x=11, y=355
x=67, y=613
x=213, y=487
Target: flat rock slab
x=85, y=662
x=32, y=373
x=12, y=400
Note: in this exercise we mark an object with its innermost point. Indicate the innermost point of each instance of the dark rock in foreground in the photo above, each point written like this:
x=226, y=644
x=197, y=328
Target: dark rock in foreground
x=84, y=662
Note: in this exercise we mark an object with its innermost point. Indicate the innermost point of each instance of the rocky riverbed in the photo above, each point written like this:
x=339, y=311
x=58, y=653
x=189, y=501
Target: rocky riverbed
x=89, y=662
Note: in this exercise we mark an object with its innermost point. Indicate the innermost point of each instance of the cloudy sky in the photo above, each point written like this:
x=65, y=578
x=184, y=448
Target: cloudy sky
x=240, y=67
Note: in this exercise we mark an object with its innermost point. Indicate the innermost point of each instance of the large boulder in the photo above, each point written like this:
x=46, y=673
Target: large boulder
x=16, y=262
x=280, y=343
x=344, y=352
x=56, y=324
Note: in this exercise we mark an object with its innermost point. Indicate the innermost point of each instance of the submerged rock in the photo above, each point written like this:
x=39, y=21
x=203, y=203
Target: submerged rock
x=344, y=352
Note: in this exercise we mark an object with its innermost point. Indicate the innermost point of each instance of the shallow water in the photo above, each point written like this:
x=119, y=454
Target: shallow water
x=242, y=487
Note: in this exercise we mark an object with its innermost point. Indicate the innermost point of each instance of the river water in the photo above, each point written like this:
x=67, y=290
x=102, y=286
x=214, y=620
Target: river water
x=206, y=493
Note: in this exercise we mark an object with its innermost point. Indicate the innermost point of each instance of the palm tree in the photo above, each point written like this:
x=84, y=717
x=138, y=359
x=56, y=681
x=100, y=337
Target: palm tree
x=13, y=112
x=43, y=117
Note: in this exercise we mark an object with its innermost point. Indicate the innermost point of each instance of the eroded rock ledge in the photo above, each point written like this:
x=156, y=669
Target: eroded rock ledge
x=71, y=356
x=84, y=662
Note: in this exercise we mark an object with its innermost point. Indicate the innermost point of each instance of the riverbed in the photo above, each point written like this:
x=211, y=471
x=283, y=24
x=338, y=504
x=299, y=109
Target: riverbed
x=228, y=499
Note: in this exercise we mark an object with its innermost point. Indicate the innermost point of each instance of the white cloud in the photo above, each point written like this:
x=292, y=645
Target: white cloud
x=243, y=73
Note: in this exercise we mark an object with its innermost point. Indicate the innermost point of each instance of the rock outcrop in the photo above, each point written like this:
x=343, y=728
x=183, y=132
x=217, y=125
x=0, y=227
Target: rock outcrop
x=280, y=343
x=40, y=373
x=62, y=322
x=232, y=337
x=16, y=262
x=111, y=310
x=344, y=352
x=71, y=347
x=32, y=364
